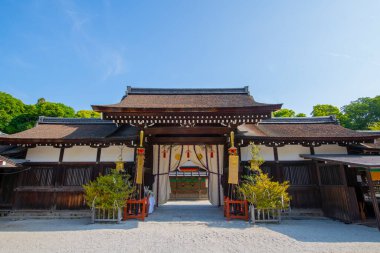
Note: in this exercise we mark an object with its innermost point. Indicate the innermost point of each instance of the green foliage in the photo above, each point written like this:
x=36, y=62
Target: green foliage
x=284, y=113
x=259, y=190
x=10, y=107
x=361, y=113
x=109, y=191
x=375, y=126
x=325, y=110
x=51, y=109
x=301, y=115
x=87, y=114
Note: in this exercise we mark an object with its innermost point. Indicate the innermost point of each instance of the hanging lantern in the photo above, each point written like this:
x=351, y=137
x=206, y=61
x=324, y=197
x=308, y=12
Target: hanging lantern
x=188, y=152
x=212, y=153
x=120, y=163
x=233, y=162
x=140, y=160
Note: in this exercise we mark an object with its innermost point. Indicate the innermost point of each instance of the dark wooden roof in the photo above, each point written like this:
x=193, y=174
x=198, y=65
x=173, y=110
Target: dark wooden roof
x=372, y=161
x=320, y=128
x=50, y=129
x=193, y=99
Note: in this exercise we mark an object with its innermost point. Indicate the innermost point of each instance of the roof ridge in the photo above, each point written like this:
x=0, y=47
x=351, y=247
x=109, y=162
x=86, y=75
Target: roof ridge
x=187, y=91
x=301, y=120
x=72, y=121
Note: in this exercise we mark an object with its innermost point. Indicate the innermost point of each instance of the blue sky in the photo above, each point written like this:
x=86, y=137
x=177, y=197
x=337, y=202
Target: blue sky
x=299, y=53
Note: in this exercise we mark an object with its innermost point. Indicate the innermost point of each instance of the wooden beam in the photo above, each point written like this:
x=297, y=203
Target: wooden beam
x=187, y=130
x=373, y=197
x=187, y=140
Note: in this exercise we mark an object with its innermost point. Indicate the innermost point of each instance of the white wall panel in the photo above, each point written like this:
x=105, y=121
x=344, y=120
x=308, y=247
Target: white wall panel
x=292, y=152
x=43, y=154
x=112, y=153
x=265, y=152
x=330, y=149
x=80, y=154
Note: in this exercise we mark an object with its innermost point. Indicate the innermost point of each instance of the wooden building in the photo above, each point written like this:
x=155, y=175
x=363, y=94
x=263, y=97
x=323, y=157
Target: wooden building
x=183, y=125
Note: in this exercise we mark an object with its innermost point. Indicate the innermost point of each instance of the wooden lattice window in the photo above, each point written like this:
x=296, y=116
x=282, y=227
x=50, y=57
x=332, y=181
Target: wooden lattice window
x=77, y=176
x=298, y=174
x=38, y=177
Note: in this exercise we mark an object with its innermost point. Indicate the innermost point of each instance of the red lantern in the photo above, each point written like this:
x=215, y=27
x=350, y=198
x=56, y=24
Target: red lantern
x=212, y=153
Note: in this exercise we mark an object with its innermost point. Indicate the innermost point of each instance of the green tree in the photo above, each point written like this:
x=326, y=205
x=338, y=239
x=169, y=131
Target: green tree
x=28, y=118
x=51, y=109
x=284, y=113
x=87, y=114
x=325, y=110
x=10, y=107
x=361, y=113
x=301, y=115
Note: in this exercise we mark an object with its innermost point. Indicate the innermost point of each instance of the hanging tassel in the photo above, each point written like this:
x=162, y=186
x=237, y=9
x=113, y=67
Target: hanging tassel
x=212, y=153
x=188, y=152
x=164, y=153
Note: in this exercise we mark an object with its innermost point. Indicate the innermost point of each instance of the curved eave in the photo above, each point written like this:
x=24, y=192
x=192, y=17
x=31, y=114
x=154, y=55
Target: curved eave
x=84, y=141
x=249, y=109
x=305, y=138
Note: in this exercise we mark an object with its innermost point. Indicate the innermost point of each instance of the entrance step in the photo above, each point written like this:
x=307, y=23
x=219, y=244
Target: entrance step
x=300, y=213
x=48, y=214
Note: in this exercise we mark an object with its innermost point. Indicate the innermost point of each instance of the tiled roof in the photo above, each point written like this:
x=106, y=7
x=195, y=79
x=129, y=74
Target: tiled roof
x=186, y=98
x=307, y=128
x=194, y=91
x=61, y=129
x=9, y=163
x=354, y=160
x=301, y=120
x=72, y=121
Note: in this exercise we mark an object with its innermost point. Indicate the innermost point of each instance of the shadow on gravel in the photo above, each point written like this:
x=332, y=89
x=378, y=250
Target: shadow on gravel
x=326, y=231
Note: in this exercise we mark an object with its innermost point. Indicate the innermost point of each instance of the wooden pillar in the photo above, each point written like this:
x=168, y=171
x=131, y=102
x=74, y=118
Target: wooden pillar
x=279, y=174
x=217, y=157
x=158, y=174
x=343, y=174
x=373, y=197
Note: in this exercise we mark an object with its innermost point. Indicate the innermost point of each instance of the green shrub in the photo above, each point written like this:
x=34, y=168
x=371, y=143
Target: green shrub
x=259, y=190
x=109, y=191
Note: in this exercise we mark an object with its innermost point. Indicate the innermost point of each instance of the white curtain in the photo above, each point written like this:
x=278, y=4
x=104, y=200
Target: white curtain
x=167, y=158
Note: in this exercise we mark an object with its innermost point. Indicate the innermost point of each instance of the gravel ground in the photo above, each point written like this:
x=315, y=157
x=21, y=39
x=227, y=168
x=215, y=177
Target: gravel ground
x=185, y=227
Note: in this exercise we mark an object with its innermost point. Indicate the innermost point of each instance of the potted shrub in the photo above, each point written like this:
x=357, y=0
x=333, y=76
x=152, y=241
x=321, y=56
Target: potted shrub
x=107, y=195
x=267, y=198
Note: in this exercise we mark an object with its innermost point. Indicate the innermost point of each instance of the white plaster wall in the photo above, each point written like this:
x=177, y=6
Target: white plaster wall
x=43, y=154
x=111, y=154
x=330, y=149
x=265, y=152
x=292, y=152
x=80, y=154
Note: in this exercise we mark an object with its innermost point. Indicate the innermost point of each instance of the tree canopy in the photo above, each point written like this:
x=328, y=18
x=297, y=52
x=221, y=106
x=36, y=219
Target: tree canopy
x=361, y=113
x=87, y=114
x=287, y=113
x=325, y=110
x=15, y=116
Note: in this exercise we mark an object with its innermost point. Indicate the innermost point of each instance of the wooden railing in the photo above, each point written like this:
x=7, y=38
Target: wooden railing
x=267, y=215
x=136, y=209
x=106, y=215
x=236, y=209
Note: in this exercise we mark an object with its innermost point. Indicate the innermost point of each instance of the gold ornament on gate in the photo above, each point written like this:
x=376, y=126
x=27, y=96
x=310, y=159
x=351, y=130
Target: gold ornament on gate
x=233, y=162
x=140, y=160
x=120, y=163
